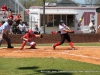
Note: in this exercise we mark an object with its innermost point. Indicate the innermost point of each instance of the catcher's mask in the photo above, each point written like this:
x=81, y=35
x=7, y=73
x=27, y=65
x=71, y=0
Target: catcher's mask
x=31, y=32
x=61, y=21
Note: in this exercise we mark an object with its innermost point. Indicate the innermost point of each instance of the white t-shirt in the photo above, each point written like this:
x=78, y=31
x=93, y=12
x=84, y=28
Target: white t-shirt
x=22, y=27
x=62, y=27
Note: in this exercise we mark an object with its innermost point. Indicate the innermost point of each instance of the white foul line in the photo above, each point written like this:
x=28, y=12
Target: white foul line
x=79, y=55
x=83, y=56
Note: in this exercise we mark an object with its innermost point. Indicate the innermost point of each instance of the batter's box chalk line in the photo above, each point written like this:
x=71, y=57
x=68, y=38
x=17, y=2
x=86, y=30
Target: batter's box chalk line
x=18, y=51
x=56, y=52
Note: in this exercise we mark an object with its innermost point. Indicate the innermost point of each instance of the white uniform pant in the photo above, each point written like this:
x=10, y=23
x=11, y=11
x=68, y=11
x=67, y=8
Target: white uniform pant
x=30, y=43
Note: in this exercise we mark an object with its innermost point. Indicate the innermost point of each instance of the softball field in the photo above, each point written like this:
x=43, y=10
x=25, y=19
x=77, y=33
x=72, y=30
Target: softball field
x=89, y=54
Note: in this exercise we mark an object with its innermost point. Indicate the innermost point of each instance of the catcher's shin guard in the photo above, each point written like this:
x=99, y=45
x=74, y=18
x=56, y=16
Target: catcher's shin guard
x=23, y=44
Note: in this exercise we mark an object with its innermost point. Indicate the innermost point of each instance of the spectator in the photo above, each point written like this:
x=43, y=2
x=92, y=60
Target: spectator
x=4, y=9
x=15, y=28
x=18, y=19
x=22, y=27
x=10, y=16
x=27, y=27
x=92, y=26
x=8, y=8
x=0, y=23
x=37, y=30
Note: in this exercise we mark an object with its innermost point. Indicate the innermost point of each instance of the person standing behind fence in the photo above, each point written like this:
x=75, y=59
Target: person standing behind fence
x=4, y=33
x=64, y=35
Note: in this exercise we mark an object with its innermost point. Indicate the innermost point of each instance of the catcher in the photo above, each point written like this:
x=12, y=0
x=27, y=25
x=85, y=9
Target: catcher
x=64, y=30
x=27, y=39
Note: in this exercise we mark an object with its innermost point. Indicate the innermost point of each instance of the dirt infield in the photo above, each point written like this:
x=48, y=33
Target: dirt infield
x=83, y=54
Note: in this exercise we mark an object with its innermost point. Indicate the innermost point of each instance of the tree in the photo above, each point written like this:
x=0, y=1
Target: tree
x=97, y=2
x=29, y=3
x=91, y=2
x=76, y=2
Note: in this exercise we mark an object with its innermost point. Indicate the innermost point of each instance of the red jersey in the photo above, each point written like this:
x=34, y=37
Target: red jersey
x=17, y=17
x=10, y=17
x=4, y=8
x=26, y=36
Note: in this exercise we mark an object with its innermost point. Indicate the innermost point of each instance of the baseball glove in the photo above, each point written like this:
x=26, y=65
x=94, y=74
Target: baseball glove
x=54, y=32
x=41, y=36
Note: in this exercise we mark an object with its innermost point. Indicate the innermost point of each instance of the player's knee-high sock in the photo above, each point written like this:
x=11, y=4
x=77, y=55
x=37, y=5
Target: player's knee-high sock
x=71, y=44
x=23, y=44
x=56, y=44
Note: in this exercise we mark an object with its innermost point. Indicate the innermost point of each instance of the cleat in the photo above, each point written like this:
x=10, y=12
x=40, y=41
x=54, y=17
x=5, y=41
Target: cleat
x=53, y=46
x=10, y=47
x=73, y=48
x=21, y=48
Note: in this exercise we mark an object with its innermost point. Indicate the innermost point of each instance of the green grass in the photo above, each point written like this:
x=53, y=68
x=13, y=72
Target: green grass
x=46, y=66
x=76, y=44
x=65, y=44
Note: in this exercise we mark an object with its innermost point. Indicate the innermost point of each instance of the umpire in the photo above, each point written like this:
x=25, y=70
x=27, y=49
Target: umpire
x=64, y=35
x=4, y=32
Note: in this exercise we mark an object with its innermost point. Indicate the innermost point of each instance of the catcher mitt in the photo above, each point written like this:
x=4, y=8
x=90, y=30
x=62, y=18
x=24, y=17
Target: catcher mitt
x=54, y=32
x=41, y=36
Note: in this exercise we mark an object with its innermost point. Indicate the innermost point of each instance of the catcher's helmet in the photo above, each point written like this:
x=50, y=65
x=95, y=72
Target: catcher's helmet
x=31, y=32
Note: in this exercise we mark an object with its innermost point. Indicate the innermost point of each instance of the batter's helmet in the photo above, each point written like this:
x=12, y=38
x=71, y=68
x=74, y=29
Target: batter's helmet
x=61, y=21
